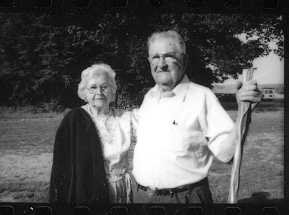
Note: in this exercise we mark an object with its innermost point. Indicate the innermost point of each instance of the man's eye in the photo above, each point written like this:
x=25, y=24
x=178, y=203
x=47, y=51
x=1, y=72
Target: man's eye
x=170, y=57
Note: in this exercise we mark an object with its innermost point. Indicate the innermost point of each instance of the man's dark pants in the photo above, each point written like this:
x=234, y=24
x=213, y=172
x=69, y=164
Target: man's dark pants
x=198, y=193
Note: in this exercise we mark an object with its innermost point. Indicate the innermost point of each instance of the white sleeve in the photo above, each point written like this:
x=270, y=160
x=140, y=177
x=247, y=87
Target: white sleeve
x=219, y=127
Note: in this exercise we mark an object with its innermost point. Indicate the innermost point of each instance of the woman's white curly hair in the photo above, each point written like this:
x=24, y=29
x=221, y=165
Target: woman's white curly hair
x=96, y=69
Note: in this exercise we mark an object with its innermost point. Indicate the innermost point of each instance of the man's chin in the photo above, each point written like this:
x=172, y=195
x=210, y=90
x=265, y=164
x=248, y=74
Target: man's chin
x=162, y=78
x=165, y=84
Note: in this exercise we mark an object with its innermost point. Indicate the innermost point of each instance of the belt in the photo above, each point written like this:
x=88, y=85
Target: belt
x=172, y=191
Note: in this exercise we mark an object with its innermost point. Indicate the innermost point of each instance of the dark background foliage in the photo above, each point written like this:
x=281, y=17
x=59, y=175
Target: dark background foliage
x=42, y=56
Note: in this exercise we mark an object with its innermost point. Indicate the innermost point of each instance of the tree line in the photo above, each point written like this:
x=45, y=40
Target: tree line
x=43, y=55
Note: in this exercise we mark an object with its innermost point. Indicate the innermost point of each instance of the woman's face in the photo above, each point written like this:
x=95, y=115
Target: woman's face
x=99, y=92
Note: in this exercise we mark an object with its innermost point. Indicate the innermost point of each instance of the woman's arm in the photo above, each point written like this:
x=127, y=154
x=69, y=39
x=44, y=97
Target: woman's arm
x=61, y=173
x=135, y=118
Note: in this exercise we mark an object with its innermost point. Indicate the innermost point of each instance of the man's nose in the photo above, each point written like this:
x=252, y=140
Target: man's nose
x=163, y=64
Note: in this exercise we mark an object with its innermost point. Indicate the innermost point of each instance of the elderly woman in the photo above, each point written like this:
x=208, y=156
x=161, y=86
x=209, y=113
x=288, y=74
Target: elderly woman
x=90, y=162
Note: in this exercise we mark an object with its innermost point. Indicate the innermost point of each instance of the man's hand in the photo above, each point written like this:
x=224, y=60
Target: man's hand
x=248, y=92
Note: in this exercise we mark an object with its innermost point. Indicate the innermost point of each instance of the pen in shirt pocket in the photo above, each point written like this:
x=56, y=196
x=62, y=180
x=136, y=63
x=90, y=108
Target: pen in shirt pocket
x=175, y=123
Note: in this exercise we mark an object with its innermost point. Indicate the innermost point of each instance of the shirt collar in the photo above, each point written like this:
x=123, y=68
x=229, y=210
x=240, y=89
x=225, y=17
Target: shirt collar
x=179, y=90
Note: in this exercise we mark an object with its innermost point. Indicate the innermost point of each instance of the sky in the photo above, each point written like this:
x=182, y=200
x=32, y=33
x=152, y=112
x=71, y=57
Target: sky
x=269, y=69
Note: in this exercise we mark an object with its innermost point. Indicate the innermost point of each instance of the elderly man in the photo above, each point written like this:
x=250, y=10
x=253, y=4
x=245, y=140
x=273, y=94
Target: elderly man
x=181, y=128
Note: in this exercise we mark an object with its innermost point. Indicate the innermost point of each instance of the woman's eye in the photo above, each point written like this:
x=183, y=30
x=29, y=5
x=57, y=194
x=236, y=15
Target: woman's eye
x=92, y=88
x=104, y=87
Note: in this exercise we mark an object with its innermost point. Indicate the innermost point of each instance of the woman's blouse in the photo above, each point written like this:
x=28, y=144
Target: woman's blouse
x=115, y=133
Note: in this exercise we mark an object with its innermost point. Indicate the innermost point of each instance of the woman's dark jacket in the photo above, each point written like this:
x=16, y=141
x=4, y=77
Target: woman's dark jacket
x=78, y=174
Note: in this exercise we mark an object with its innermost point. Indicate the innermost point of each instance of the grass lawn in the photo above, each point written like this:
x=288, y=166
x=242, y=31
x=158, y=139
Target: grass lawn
x=26, y=143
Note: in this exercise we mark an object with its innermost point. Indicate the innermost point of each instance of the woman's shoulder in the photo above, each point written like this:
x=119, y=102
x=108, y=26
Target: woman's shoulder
x=123, y=116
x=69, y=112
x=120, y=113
x=74, y=114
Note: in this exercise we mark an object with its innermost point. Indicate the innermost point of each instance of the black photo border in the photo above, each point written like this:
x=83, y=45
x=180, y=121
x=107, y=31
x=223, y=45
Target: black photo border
x=141, y=7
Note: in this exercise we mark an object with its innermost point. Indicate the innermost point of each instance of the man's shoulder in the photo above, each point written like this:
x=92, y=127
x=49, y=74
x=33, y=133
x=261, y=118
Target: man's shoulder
x=194, y=87
x=151, y=90
x=150, y=93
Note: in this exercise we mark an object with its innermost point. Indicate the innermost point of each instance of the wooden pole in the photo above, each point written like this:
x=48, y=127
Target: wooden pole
x=242, y=126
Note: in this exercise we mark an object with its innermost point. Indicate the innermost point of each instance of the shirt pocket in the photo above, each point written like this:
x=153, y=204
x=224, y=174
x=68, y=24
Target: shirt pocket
x=183, y=138
x=188, y=141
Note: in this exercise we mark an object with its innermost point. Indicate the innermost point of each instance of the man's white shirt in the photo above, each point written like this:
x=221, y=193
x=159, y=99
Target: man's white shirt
x=178, y=135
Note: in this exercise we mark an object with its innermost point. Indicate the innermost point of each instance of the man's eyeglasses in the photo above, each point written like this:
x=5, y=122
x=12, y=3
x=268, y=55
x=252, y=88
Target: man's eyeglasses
x=168, y=57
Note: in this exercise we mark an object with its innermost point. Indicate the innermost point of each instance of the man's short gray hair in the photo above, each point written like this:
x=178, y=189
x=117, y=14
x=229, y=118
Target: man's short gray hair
x=168, y=34
x=96, y=69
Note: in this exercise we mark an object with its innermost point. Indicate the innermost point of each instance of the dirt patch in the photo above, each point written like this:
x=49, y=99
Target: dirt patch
x=25, y=168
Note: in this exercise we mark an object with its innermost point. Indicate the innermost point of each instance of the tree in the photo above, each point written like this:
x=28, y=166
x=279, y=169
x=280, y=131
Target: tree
x=42, y=56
